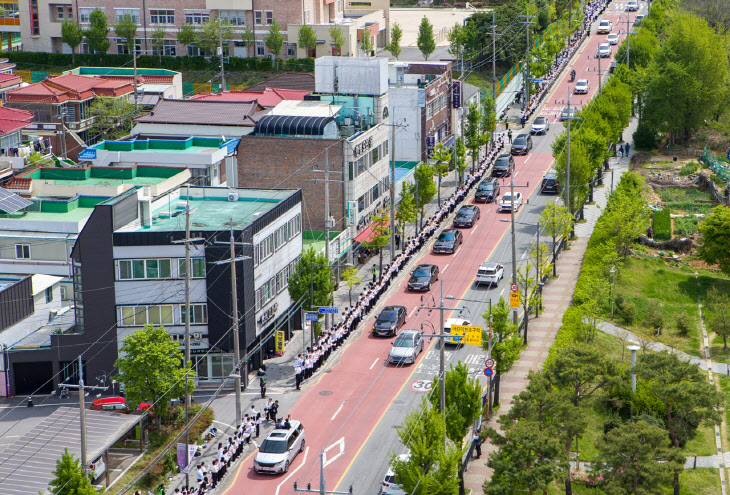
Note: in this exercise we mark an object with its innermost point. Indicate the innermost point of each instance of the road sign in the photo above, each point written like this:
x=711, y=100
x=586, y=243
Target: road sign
x=489, y=363
x=328, y=311
x=469, y=335
x=488, y=372
x=422, y=385
x=280, y=342
x=311, y=317
x=537, y=80
x=514, y=287
x=472, y=338
x=514, y=300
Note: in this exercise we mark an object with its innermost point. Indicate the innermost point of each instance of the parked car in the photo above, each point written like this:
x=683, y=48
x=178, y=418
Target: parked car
x=447, y=329
x=581, y=87
x=487, y=191
x=390, y=484
x=448, y=241
x=390, y=320
x=406, y=347
x=521, y=145
x=639, y=17
x=279, y=449
x=612, y=39
x=507, y=202
x=467, y=216
x=490, y=273
x=604, y=27
x=604, y=50
x=503, y=166
x=550, y=182
x=632, y=6
x=540, y=125
x=118, y=405
x=564, y=113
x=423, y=277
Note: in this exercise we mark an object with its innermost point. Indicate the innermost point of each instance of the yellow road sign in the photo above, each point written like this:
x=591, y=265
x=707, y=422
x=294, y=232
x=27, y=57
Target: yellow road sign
x=514, y=299
x=470, y=334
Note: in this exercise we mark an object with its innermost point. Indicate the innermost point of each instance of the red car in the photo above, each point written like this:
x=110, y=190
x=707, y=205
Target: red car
x=118, y=404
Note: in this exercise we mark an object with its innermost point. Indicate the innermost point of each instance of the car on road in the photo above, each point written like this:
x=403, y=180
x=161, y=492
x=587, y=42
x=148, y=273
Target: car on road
x=390, y=320
x=448, y=241
x=454, y=339
x=581, y=87
x=406, y=347
x=604, y=50
x=423, y=277
x=540, y=125
x=507, y=202
x=279, y=448
x=632, y=6
x=503, y=166
x=604, y=27
x=490, y=273
x=612, y=39
x=550, y=182
x=487, y=191
x=467, y=216
x=521, y=145
x=639, y=17
x=390, y=484
x=564, y=113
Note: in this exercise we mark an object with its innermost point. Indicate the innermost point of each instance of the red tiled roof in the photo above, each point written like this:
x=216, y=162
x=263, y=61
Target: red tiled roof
x=15, y=114
x=72, y=82
x=197, y=112
x=269, y=97
x=19, y=183
x=38, y=92
x=9, y=80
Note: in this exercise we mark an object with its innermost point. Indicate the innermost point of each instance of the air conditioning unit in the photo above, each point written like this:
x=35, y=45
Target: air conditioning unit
x=271, y=56
x=232, y=196
x=197, y=335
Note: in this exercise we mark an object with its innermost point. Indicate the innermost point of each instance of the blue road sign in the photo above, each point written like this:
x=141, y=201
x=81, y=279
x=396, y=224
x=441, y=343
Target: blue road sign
x=328, y=311
x=537, y=80
x=488, y=372
x=311, y=317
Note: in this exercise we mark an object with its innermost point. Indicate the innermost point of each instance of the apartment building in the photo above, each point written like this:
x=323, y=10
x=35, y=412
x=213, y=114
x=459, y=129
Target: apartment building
x=40, y=23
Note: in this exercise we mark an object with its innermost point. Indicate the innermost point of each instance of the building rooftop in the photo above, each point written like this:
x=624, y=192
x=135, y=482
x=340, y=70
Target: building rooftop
x=310, y=108
x=269, y=97
x=289, y=80
x=204, y=112
x=191, y=145
x=9, y=80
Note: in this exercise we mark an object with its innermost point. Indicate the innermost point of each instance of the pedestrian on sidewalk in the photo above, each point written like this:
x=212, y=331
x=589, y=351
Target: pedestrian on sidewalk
x=477, y=444
x=509, y=136
x=262, y=385
x=522, y=121
x=298, y=375
x=375, y=274
x=626, y=149
x=506, y=123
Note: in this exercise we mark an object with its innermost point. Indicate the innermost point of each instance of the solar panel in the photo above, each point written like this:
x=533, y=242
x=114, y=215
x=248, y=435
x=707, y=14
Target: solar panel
x=11, y=202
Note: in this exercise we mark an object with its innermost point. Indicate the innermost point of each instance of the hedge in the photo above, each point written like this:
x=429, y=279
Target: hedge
x=234, y=64
x=662, y=225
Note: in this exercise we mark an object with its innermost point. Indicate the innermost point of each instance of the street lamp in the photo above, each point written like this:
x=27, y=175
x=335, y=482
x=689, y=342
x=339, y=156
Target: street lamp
x=633, y=349
x=612, y=271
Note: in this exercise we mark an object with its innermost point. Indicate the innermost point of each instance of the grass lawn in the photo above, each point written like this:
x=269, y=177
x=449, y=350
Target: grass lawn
x=718, y=351
x=686, y=200
x=703, y=442
x=725, y=387
x=700, y=481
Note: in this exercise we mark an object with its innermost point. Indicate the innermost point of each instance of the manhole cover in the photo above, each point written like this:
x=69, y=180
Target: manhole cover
x=326, y=392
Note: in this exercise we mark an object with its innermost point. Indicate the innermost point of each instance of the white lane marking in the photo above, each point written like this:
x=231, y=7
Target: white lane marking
x=516, y=173
x=475, y=229
x=447, y=265
x=306, y=451
x=523, y=255
x=225, y=424
x=375, y=362
x=341, y=406
x=501, y=292
x=457, y=251
x=341, y=444
x=412, y=311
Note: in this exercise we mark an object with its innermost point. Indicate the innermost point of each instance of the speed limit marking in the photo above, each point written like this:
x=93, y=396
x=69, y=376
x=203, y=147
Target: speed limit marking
x=514, y=287
x=422, y=385
x=489, y=363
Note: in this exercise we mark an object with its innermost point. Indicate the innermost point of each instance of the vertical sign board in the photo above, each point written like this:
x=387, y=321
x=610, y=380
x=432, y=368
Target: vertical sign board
x=456, y=94
x=514, y=299
x=351, y=213
x=280, y=342
x=430, y=145
x=421, y=99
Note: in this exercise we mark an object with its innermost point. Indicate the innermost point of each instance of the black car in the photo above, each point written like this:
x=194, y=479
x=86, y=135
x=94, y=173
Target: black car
x=503, y=166
x=423, y=277
x=390, y=320
x=522, y=145
x=487, y=191
x=550, y=183
x=467, y=216
x=448, y=241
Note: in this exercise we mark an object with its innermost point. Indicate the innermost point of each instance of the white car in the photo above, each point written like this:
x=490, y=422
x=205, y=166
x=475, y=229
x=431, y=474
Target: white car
x=390, y=487
x=612, y=39
x=632, y=6
x=447, y=329
x=604, y=27
x=540, y=125
x=507, y=202
x=581, y=87
x=279, y=449
x=604, y=50
x=490, y=273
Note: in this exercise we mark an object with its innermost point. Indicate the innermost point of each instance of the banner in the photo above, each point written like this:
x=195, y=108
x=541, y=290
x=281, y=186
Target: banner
x=280, y=341
x=181, y=457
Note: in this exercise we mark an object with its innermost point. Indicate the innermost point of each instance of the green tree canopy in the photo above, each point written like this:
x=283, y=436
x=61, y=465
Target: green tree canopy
x=582, y=370
x=248, y=37
x=714, y=248
x=126, y=29
x=70, y=478
x=209, y=38
x=307, y=39
x=718, y=303
x=425, y=188
x=72, y=35
x=351, y=277
x=149, y=369
x=396, y=36
x=463, y=401
x=274, y=40
x=473, y=136
x=406, y=210
x=460, y=159
x=187, y=35
x=97, y=33
x=507, y=343
x=426, y=42
x=380, y=235
x=366, y=43
x=158, y=40
x=556, y=222
x=113, y=117
x=312, y=270
x=337, y=39
x=441, y=160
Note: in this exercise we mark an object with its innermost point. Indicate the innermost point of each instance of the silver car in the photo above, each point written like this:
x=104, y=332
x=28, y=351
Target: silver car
x=581, y=87
x=406, y=348
x=279, y=449
x=604, y=50
x=612, y=39
x=540, y=125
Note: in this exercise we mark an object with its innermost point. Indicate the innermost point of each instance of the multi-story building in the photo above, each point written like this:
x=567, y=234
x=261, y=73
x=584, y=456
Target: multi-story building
x=41, y=23
x=10, y=38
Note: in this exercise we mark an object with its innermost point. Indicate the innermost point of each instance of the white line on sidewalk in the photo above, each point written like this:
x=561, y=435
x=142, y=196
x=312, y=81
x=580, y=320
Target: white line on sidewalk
x=306, y=451
x=377, y=359
x=337, y=411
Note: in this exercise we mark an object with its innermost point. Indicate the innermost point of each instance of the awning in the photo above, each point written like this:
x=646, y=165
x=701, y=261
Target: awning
x=368, y=234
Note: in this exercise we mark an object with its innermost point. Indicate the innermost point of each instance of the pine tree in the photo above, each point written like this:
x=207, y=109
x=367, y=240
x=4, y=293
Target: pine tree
x=70, y=477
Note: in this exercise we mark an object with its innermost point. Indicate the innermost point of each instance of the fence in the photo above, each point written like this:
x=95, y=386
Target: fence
x=719, y=167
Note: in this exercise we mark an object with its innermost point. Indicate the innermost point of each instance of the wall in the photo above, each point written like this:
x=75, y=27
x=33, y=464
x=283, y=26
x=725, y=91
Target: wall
x=49, y=255
x=404, y=105
x=16, y=303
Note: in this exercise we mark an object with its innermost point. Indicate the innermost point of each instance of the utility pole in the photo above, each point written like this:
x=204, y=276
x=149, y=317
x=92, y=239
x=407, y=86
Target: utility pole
x=537, y=265
x=628, y=40
x=392, y=191
x=220, y=42
x=567, y=161
x=322, y=490
x=514, y=247
x=600, y=73
x=494, y=69
x=134, y=59
x=527, y=59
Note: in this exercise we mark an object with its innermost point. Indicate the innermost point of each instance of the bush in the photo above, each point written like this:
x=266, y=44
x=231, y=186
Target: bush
x=684, y=323
x=627, y=311
x=644, y=138
x=662, y=225
x=652, y=420
x=689, y=168
x=654, y=318
x=686, y=226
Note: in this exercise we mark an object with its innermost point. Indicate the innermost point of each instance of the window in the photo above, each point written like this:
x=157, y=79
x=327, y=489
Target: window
x=197, y=264
x=198, y=314
x=281, y=236
x=122, y=47
x=306, y=17
x=282, y=278
x=84, y=13
x=265, y=293
x=49, y=295
x=22, y=251
x=35, y=26
x=146, y=315
x=260, y=52
x=257, y=17
x=233, y=17
x=60, y=13
x=336, y=52
x=196, y=16
x=295, y=226
x=63, y=293
x=141, y=269
x=269, y=17
x=291, y=50
x=120, y=13
x=158, y=16
x=264, y=249
x=169, y=48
